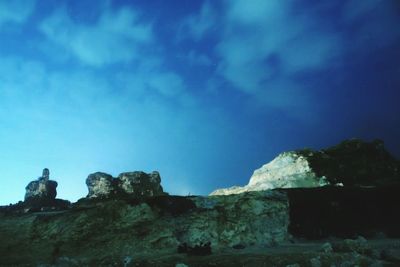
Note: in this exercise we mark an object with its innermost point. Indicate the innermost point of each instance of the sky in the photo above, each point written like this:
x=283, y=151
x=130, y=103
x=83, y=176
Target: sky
x=203, y=91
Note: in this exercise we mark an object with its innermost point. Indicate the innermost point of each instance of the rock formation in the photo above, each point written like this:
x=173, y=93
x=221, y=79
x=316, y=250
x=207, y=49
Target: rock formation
x=138, y=184
x=130, y=221
x=160, y=223
x=141, y=184
x=351, y=163
x=100, y=184
x=42, y=188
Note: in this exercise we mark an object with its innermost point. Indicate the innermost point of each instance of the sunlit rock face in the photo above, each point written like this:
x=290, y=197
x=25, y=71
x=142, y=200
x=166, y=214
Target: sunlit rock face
x=42, y=188
x=351, y=163
x=288, y=170
x=138, y=183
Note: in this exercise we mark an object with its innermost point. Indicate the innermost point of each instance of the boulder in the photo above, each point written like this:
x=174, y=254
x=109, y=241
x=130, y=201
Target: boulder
x=42, y=188
x=140, y=183
x=100, y=184
x=350, y=163
x=137, y=184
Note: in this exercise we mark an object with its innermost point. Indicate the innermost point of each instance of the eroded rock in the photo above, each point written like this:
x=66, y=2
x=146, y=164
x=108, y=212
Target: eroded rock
x=351, y=163
x=42, y=188
x=100, y=184
x=140, y=183
x=137, y=184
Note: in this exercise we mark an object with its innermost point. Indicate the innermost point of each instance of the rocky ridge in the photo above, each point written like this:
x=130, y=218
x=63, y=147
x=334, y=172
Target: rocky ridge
x=350, y=163
x=130, y=226
x=132, y=222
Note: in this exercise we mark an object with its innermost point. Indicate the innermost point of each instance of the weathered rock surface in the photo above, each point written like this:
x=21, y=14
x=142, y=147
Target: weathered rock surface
x=351, y=163
x=122, y=227
x=100, y=184
x=42, y=188
x=139, y=184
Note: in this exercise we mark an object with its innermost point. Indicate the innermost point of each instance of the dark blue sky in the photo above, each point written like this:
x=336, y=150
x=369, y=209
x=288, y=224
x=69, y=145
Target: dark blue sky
x=202, y=91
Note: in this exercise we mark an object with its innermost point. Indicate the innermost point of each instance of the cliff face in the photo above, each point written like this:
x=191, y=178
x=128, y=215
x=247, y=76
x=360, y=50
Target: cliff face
x=128, y=226
x=350, y=163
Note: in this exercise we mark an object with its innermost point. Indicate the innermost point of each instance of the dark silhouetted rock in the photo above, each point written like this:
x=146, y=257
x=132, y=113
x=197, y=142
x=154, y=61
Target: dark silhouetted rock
x=42, y=188
x=355, y=163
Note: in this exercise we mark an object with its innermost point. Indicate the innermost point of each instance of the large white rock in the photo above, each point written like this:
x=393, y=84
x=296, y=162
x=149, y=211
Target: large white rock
x=288, y=170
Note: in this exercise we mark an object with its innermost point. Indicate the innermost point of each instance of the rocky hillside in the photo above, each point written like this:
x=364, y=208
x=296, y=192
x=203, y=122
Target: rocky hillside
x=96, y=230
x=350, y=163
x=129, y=220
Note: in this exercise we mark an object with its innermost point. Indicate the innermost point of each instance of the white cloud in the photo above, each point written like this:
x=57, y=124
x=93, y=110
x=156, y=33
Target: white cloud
x=265, y=42
x=196, y=26
x=256, y=11
x=15, y=11
x=117, y=37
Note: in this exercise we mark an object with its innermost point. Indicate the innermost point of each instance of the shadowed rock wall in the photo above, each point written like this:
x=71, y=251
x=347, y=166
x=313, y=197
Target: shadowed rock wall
x=344, y=211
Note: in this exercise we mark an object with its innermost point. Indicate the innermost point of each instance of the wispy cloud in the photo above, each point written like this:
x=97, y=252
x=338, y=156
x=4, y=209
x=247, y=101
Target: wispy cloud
x=265, y=42
x=196, y=26
x=265, y=48
x=116, y=37
x=15, y=11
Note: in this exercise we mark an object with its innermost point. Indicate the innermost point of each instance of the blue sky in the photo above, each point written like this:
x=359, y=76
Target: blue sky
x=202, y=91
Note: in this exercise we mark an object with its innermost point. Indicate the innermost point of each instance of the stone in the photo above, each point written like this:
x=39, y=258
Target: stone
x=136, y=184
x=140, y=183
x=391, y=254
x=327, y=248
x=45, y=174
x=288, y=170
x=359, y=246
x=316, y=262
x=201, y=249
x=42, y=188
x=350, y=163
x=100, y=184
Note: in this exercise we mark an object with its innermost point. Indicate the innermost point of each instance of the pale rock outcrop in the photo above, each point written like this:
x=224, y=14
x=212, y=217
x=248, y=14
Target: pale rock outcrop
x=137, y=183
x=288, y=170
x=42, y=188
x=350, y=163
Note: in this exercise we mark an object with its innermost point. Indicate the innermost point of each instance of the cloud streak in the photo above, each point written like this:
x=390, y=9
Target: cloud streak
x=16, y=11
x=116, y=37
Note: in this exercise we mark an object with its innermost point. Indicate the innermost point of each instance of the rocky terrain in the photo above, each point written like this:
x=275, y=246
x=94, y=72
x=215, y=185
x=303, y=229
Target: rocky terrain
x=350, y=163
x=334, y=207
